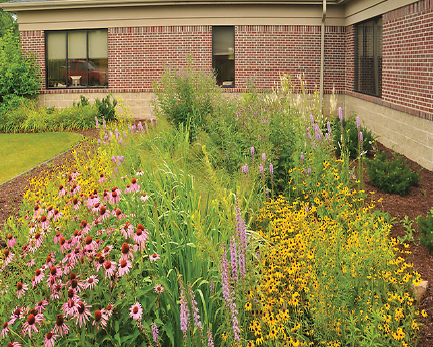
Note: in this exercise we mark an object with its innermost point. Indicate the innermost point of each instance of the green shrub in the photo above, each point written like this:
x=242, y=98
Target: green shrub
x=185, y=97
x=106, y=109
x=391, y=176
x=351, y=137
x=425, y=226
x=19, y=74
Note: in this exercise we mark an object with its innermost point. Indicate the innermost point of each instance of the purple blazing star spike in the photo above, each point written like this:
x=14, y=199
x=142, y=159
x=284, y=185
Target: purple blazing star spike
x=271, y=168
x=184, y=313
x=308, y=134
x=340, y=114
x=264, y=158
x=309, y=170
x=311, y=119
x=328, y=125
x=245, y=169
x=233, y=259
x=361, y=137
x=97, y=123
x=302, y=156
x=194, y=308
x=261, y=169
x=358, y=123
x=252, y=151
x=155, y=333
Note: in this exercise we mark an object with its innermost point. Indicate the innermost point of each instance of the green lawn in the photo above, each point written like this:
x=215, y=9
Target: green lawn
x=21, y=152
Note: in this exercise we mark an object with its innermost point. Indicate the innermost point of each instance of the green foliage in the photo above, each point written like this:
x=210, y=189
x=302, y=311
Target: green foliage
x=7, y=22
x=185, y=97
x=18, y=114
x=391, y=176
x=106, y=108
x=19, y=74
x=351, y=137
x=425, y=226
x=408, y=230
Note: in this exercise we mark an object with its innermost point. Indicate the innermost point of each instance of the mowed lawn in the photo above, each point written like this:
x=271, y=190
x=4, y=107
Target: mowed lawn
x=21, y=152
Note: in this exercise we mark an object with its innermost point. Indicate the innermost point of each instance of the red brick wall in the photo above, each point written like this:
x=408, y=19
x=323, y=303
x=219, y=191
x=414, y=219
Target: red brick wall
x=34, y=42
x=408, y=58
x=137, y=56
x=350, y=58
x=264, y=53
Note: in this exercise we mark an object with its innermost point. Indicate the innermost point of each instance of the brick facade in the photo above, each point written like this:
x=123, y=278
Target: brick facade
x=33, y=42
x=264, y=53
x=137, y=56
x=408, y=58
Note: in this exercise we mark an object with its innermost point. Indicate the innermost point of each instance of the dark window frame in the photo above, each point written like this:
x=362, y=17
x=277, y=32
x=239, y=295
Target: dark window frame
x=362, y=67
x=47, y=32
x=234, y=53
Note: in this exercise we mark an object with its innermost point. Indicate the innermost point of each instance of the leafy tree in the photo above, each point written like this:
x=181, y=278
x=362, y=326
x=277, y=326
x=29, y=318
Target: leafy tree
x=19, y=73
x=7, y=21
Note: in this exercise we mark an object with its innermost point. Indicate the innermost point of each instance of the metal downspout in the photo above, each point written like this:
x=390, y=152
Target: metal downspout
x=322, y=53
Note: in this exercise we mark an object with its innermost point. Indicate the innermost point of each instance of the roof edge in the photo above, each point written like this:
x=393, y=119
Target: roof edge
x=74, y=4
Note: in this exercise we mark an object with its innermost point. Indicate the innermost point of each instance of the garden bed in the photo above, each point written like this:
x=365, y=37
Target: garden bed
x=417, y=202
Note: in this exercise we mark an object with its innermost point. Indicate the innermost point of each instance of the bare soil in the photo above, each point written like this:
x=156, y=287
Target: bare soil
x=417, y=202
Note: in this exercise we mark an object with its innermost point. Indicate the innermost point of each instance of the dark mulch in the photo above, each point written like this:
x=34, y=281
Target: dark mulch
x=417, y=202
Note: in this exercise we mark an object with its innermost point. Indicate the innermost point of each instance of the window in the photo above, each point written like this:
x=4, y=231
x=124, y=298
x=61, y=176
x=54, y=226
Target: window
x=368, y=57
x=223, y=55
x=77, y=59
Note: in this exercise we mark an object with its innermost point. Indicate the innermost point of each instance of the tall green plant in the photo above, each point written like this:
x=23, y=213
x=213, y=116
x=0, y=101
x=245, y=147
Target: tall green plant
x=19, y=74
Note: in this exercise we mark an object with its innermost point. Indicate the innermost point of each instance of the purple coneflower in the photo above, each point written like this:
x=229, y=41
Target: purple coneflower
x=60, y=326
x=104, y=214
x=50, y=339
x=141, y=236
x=144, y=198
x=21, y=288
x=110, y=268
x=134, y=185
x=91, y=282
x=11, y=241
x=31, y=324
x=70, y=307
x=127, y=230
x=5, y=330
x=39, y=275
x=114, y=198
x=76, y=203
x=126, y=252
x=154, y=257
x=100, y=319
x=136, y=311
x=83, y=314
x=8, y=255
x=41, y=305
x=124, y=267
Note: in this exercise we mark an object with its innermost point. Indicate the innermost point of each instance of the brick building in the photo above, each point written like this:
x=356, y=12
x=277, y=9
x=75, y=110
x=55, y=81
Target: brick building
x=376, y=54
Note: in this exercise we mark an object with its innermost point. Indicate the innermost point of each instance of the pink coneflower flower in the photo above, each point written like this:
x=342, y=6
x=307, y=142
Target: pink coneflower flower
x=127, y=230
x=83, y=314
x=70, y=307
x=21, y=288
x=154, y=257
x=39, y=239
x=124, y=267
x=37, y=212
x=106, y=251
x=5, y=330
x=140, y=173
x=57, y=215
x=13, y=344
x=91, y=282
x=62, y=191
x=101, y=178
x=41, y=305
x=114, y=198
x=50, y=212
x=39, y=275
x=100, y=261
x=15, y=315
x=57, y=237
x=119, y=214
x=117, y=190
x=109, y=310
x=60, y=326
x=85, y=227
x=100, y=319
x=75, y=189
x=110, y=268
x=8, y=255
x=144, y=198
x=64, y=245
x=90, y=244
x=104, y=214
x=30, y=263
x=11, y=241
x=134, y=185
x=126, y=252
x=76, y=203
x=31, y=324
x=105, y=196
x=128, y=189
x=96, y=208
x=159, y=289
x=49, y=260
x=140, y=237
x=45, y=223
x=50, y=339
x=136, y=311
